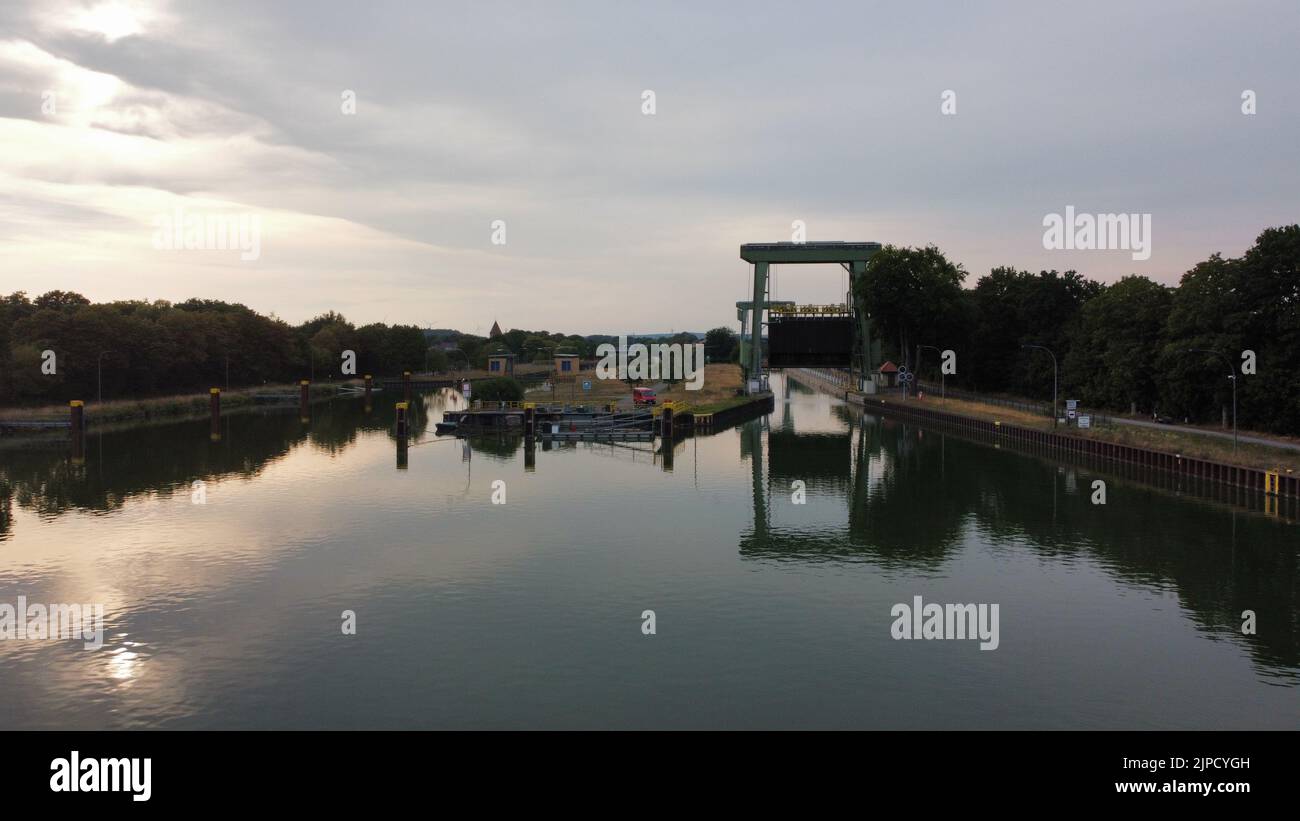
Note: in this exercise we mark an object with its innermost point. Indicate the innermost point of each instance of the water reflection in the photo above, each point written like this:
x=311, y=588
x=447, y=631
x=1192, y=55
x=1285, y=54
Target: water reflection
x=912, y=498
x=167, y=458
x=225, y=614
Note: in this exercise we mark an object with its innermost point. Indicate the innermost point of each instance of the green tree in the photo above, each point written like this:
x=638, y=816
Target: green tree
x=1116, y=347
x=438, y=360
x=405, y=350
x=720, y=344
x=537, y=348
x=1012, y=308
x=328, y=345
x=498, y=389
x=60, y=301
x=914, y=296
x=1231, y=306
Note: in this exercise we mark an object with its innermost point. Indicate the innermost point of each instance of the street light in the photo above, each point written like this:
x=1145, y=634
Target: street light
x=1049, y=353
x=99, y=373
x=1232, y=377
x=943, y=377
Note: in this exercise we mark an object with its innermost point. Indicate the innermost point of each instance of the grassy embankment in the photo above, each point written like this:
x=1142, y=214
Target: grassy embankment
x=122, y=412
x=1191, y=445
x=716, y=393
x=182, y=406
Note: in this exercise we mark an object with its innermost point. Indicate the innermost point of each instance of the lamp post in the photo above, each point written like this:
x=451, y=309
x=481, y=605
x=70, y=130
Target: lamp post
x=943, y=387
x=1049, y=353
x=1232, y=377
x=99, y=373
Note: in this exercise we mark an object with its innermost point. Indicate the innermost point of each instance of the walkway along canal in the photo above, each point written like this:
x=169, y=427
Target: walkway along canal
x=1274, y=488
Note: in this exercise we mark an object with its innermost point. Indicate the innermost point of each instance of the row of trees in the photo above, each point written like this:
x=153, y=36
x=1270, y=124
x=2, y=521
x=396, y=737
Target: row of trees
x=720, y=344
x=146, y=348
x=149, y=348
x=530, y=346
x=1118, y=346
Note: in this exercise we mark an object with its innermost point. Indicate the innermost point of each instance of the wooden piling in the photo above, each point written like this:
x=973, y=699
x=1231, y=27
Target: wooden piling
x=406, y=386
x=304, y=388
x=214, y=408
x=77, y=421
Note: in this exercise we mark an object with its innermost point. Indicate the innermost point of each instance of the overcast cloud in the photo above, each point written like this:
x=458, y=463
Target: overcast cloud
x=531, y=113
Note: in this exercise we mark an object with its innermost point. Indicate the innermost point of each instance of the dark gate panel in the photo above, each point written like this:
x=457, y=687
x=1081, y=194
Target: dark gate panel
x=819, y=459
x=810, y=342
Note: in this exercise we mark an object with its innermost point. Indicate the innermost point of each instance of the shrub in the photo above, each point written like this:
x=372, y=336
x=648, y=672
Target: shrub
x=499, y=389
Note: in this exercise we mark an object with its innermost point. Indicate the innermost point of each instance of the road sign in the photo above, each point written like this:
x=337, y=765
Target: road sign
x=1085, y=421
x=586, y=385
x=1071, y=404
x=1071, y=413
x=464, y=388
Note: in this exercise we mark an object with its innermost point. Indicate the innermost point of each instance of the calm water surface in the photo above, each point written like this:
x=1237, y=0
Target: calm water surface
x=528, y=614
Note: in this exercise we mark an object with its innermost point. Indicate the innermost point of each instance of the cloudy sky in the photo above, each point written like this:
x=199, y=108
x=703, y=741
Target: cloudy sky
x=116, y=113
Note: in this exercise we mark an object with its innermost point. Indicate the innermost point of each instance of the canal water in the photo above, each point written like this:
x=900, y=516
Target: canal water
x=771, y=554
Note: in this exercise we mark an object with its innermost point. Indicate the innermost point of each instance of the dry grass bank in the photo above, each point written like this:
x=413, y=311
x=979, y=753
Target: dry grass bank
x=1192, y=445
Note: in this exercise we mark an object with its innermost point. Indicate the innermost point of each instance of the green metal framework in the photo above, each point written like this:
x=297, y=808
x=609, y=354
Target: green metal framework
x=853, y=256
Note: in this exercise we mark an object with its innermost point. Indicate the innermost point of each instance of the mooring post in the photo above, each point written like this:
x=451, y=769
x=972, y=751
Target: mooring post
x=667, y=422
x=406, y=386
x=214, y=406
x=530, y=418
x=401, y=436
x=370, y=383
x=303, y=392
x=401, y=420
x=530, y=455
x=77, y=421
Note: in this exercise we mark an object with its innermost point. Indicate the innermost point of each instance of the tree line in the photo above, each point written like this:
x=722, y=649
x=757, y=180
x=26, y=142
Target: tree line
x=1123, y=346
x=148, y=348
x=143, y=348
x=540, y=346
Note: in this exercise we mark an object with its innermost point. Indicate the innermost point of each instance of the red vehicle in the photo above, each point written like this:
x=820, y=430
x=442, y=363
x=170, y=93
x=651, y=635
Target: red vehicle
x=643, y=396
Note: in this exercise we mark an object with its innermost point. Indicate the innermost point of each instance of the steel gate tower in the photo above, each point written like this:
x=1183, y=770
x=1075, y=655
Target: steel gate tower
x=852, y=256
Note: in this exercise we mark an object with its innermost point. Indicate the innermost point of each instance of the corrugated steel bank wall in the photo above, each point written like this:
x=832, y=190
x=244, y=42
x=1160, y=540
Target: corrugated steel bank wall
x=1251, y=479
